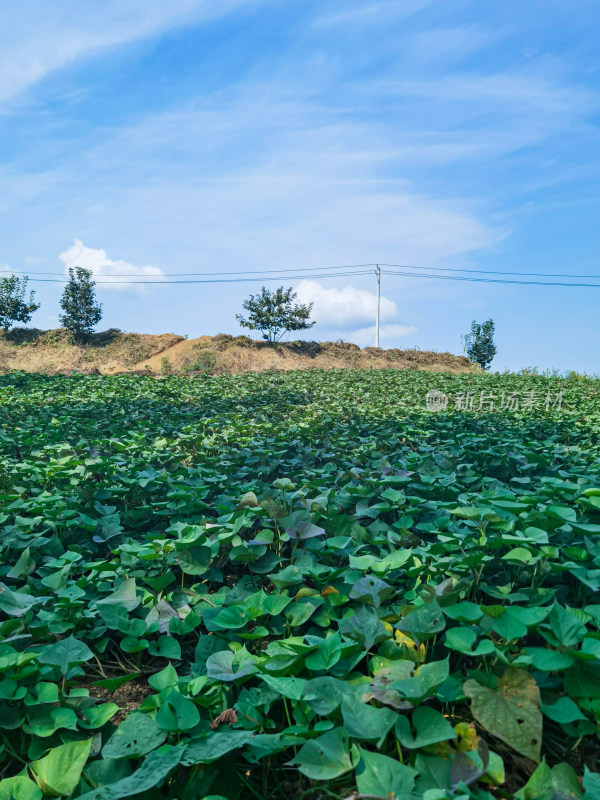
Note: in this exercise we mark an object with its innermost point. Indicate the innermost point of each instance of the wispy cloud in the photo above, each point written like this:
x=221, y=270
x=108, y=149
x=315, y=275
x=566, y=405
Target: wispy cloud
x=37, y=38
x=520, y=91
x=365, y=13
x=110, y=274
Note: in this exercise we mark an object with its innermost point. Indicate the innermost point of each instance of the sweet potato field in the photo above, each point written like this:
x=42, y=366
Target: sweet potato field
x=299, y=586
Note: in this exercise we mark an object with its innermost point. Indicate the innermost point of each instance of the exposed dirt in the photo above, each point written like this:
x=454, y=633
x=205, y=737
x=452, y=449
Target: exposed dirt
x=112, y=352
x=128, y=697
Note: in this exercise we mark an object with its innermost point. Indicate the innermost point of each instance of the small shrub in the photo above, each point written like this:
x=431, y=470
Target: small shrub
x=166, y=367
x=204, y=362
x=223, y=341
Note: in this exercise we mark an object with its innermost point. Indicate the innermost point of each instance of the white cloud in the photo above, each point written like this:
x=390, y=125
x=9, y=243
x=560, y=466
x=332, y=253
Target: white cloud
x=337, y=312
x=342, y=308
x=107, y=272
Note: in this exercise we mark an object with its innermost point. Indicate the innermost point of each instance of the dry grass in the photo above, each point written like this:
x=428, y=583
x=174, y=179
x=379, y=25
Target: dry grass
x=112, y=352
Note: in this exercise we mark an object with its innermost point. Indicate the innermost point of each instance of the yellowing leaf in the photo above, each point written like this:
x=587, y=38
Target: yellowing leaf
x=511, y=712
x=416, y=651
x=467, y=737
x=58, y=772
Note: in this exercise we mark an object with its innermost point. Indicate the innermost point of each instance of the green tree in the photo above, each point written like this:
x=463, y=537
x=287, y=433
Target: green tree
x=274, y=313
x=13, y=305
x=78, y=301
x=479, y=343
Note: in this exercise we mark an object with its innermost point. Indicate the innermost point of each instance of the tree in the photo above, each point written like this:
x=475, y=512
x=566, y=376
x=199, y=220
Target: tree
x=274, y=313
x=13, y=305
x=78, y=301
x=479, y=343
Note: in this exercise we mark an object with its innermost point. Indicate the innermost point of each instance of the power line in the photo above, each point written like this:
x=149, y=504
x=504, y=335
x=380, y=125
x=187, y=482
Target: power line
x=492, y=280
x=494, y=271
x=353, y=269
x=212, y=280
x=257, y=277
x=200, y=274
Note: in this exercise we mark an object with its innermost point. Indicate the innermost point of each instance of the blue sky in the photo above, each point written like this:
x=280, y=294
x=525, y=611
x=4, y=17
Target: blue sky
x=145, y=137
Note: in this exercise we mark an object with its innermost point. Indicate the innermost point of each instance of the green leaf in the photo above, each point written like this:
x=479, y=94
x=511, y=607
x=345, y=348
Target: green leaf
x=425, y=680
x=583, y=679
x=382, y=776
x=539, y=786
x=153, y=771
x=227, y=666
x=326, y=655
x=97, y=716
x=325, y=694
x=365, y=627
x=567, y=628
x=206, y=749
x=423, y=622
x=371, y=590
x=19, y=788
x=232, y=617
x=326, y=757
x=164, y=679
x=23, y=566
x=65, y=654
x=17, y=604
x=509, y=625
x=292, y=688
x=58, y=772
x=363, y=721
x=177, y=713
x=565, y=513
x=165, y=647
x=591, y=785
x=137, y=735
x=547, y=660
x=565, y=783
x=45, y=720
x=101, y=771
x=564, y=710
x=429, y=725
x=511, y=712
x=124, y=596
x=463, y=639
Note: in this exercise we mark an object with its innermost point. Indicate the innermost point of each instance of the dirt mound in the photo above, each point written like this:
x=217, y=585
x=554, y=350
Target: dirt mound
x=112, y=351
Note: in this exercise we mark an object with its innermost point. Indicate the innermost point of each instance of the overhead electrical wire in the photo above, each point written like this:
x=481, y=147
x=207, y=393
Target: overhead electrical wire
x=490, y=280
x=197, y=274
x=211, y=280
x=342, y=271
x=493, y=271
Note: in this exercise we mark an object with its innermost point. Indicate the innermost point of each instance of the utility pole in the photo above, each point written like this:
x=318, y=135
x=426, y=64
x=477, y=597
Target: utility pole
x=378, y=273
